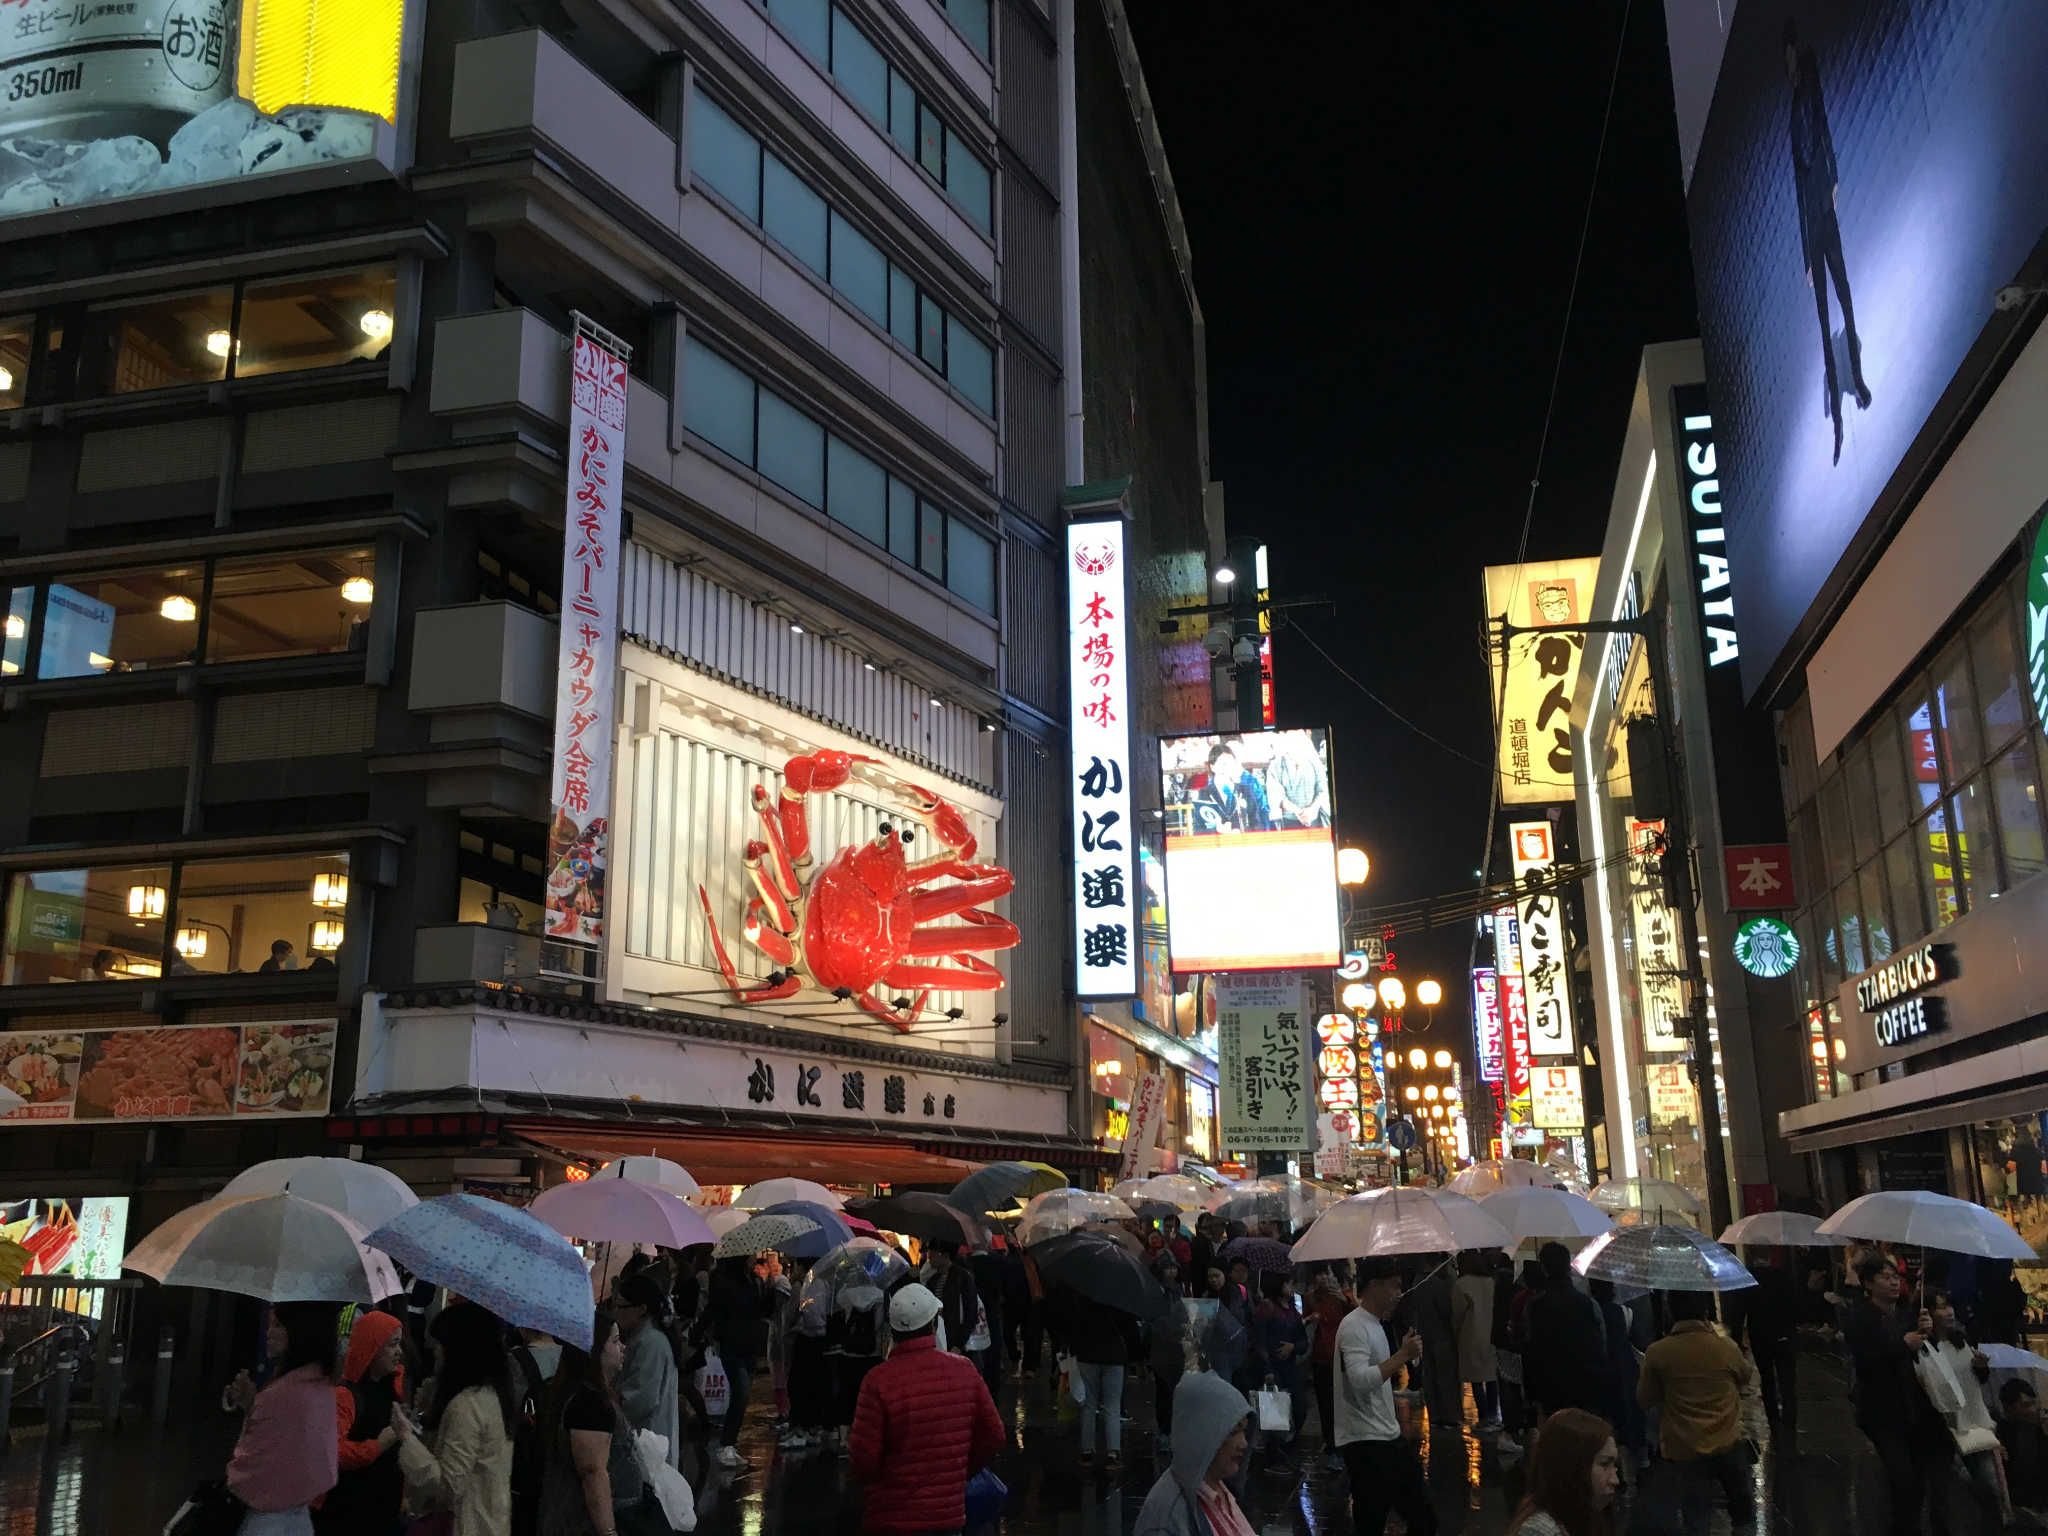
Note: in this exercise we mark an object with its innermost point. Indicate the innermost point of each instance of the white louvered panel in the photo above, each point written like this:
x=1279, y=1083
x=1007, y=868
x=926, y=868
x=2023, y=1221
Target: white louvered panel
x=679, y=610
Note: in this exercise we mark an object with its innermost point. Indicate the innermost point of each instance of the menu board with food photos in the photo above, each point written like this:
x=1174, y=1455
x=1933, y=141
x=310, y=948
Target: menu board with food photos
x=188, y=1072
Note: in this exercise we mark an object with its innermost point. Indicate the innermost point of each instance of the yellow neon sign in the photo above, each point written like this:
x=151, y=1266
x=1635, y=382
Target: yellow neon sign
x=321, y=53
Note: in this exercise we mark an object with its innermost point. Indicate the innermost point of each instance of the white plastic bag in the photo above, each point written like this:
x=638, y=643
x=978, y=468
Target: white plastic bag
x=980, y=1339
x=1077, y=1389
x=713, y=1385
x=1276, y=1411
x=671, y=1488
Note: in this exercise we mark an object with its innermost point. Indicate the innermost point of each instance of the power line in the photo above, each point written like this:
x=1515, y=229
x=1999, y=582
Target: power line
x=1338, y=668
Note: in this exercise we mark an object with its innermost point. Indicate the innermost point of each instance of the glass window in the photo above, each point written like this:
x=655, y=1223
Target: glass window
x=1956, y=712
x=792, y=450
x=1937, y=869
x=970, y=365
x=793, y=214
x=902, y=522
x=725, y=156
x=1923, y=763
x=21, y=603
x=1834, y=830
x=971, y=565
x=1796, y=731
x=809, y=24
x=902, y=114
x=1888, y=770
x=289, y=605
x=1877, y=927
x=160, y=342
x=858, y=491
x=967, y=179
x=718, y=402
x=903, y=307
x=931, y=332
x=931, y=142
x=931, y=541
x=245, y=917
x=1808, y=873
x=1902, y=877
x=1830, y=946
x=971, y=17
x=315, y=322
x=1861, y=796
x=86, y=925
x=2015, y=792
x=477, y=897
x=1970, y=825
x=859, y=67
x=860, y=271
x=130, y=621
x=17, y=337
x=1849, y=928
x=2001, y=701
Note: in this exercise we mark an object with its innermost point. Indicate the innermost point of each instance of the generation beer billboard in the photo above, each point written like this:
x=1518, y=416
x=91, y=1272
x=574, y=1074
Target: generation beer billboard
x=106, y=100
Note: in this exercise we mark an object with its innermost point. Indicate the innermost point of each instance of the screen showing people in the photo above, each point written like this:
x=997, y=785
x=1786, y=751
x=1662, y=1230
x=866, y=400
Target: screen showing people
x=1250, y=851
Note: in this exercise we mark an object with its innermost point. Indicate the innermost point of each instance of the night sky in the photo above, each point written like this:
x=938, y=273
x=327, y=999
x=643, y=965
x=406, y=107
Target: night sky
x=1383, y=205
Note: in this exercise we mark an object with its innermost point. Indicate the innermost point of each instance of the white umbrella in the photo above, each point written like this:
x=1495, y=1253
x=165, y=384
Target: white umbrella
x=658, y=1171
x=1780, y=1229
x=1059, y=1211
x=1477, y=1182
x=758, y=1232
x=722, y=1219
x=280, y=1247
x=1471, y=1223
x=621, y=1211
x=757, y=1197
x=2010, y=1357
x=1548, y=1213
x=363, y=1192
x=1383, y=1222
x=1927, y=1220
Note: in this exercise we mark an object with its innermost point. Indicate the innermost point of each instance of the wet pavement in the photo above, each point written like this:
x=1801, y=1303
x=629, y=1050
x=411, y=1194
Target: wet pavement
x=128, y=1482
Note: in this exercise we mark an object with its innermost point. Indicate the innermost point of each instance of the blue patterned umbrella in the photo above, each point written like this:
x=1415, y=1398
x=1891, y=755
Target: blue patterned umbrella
x=832, y=1229
x=497, y=1256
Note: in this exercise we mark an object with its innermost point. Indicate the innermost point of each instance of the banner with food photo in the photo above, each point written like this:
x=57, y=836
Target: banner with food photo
x=193, y=1072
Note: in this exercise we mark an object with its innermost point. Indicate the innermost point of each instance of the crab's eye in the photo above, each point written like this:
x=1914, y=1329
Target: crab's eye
x=908, y=836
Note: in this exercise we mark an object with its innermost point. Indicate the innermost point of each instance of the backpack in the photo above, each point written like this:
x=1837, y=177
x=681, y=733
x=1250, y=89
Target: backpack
x=529, y=1442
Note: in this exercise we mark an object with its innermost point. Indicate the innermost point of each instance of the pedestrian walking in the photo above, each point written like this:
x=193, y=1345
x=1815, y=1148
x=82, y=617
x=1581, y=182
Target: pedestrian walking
x=959, y=1297
x=737, y=1316
x=648, y=1384
x=1619, y=1376
x=459, y=1460
x=285, y=1457
x=1472, y=1321
x=1564, y=1347
x=369, y=1487
x=1692, y=1379
x=1167, y=1345
x=594, y=1485
x=1883, y=1339
x=811, y=1386
x=988, y=1285
x=1328, y=1305
x=1101, y=1341
x=1280, y=1339
x=1573, y=1473
x=1192, y=1496
x=1766, y=1318
x=1951, y=1375
x=1430, y=1310
x=2026, y=1446
x=1384, y=1473
x=924, y=1426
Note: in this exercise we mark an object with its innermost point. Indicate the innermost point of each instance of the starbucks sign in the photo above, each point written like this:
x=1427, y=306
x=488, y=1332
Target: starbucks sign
x=2037, y=622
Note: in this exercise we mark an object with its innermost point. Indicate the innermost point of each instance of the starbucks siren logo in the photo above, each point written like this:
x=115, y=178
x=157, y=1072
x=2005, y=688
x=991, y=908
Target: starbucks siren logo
x=1766, y=947
x=2037, y=623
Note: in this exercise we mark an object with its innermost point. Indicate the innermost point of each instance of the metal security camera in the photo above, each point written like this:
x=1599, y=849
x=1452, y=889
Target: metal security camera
x=2012, y=296
x=1216, y=642
x=1246, y=651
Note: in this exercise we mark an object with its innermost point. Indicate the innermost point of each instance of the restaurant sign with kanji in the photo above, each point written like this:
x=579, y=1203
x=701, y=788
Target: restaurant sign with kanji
x=1546, y=947
x=587, y=657
x=1759, y=877
x=1265, y=1052
x=1104, y=851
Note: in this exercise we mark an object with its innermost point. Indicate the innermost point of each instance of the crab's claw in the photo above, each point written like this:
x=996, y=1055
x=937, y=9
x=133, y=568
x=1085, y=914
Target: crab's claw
x=823, y=770
x=941, y=815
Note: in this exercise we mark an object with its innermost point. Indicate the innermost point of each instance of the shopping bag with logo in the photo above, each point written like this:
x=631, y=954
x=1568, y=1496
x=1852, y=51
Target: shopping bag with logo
x=713, y=1386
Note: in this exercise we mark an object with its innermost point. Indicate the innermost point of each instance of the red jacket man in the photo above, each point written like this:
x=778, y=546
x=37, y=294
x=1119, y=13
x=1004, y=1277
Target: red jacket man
x=924, y=1425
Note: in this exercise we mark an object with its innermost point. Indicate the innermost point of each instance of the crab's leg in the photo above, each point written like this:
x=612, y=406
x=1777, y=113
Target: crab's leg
x=789, y=986
x=967, y=974
x=988, y=886
x=771, y=825
x=975, y=930
x=881, y=1010
x=801, y=776
x=771, y=898
x=766, y=939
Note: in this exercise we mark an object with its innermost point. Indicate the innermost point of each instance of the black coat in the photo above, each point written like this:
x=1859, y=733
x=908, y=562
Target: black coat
x=1564, y=1363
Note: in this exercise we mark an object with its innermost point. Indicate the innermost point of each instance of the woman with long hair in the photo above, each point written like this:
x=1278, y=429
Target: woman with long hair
x=464, y=1462
x=1572, y=1475
x=286, y=1456
x=593, y=1485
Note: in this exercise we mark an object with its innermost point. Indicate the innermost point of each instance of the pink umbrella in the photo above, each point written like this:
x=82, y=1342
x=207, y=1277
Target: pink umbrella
x=865, y=1228
x=621, y=1211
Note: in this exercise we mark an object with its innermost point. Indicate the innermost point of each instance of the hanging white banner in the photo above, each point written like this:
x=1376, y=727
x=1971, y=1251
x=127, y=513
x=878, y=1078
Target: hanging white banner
x=587, y=660
x=1148, y=1104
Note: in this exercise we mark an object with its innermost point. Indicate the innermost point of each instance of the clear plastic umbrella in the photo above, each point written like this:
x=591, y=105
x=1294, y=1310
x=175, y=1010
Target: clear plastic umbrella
x=1546, y=1213
x=1472, y=1224
x=363, y=1192
x=758, y=1197
x=1663, y=1258
x=1927, y=1220
x=1780, y=1229
x=1175, y=1189
x=863, y=1264
x=1493, y=1176
x=1059, y=1211
x=280, y=1247
x=1384, y=1222
x=1657, y=1201
x=1284, y=1199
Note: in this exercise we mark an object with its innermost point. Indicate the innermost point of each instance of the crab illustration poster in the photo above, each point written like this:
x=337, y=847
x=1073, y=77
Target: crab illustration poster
x=1105, y=849
x=587, y=661
x=1265, y=1044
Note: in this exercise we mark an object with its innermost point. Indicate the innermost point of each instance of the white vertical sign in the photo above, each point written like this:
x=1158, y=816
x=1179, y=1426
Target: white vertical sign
x=587, y=661
x=1148, y=1103
x=1265, y=1049
x=1487, y=1030
x=1104, y=854
x=1558, y=1098
x=1546, y=951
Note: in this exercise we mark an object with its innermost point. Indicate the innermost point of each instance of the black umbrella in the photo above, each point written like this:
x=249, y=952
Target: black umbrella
x=928, y=1218
x=1096, y=1266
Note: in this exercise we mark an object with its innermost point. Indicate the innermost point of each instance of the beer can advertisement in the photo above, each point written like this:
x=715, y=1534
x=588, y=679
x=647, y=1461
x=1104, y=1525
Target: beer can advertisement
x=1251, y=852
x=102, y=101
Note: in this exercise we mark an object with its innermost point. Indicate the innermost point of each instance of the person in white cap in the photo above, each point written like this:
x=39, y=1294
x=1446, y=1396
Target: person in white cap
x=924, y=1425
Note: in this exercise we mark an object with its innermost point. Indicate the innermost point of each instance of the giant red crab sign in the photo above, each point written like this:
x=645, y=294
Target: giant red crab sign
x=869, y=917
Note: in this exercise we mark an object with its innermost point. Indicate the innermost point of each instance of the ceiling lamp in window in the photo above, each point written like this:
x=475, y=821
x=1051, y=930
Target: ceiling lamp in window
x=330, y=891
x=178, y=608
x=376, y=324
x=17, y=627
x=191, y=943
x=6, y=379
x=146, y=901
x=359, y=590
x=218, y=343
x=326, y=937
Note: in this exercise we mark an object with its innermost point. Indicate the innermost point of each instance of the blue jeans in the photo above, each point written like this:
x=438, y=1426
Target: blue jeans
x=741, y=1374
x=1104, y=1386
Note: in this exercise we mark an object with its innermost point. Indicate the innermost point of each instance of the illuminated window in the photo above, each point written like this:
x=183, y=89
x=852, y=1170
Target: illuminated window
x=248, y=908
x=125, y=621
x=288, y=605
x=315, y=322
x=21, y=604
x=17, y=337
x=156, y=343
x=77, y=924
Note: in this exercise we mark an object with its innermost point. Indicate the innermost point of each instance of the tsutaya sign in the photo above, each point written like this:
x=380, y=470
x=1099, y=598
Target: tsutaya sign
x=1896, y=994
x=1104, y=854
x=587, y=660
x=1700, y=480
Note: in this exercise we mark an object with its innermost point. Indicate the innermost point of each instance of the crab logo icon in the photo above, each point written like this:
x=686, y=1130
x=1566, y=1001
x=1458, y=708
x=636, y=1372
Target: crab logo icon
x=1094, y=559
